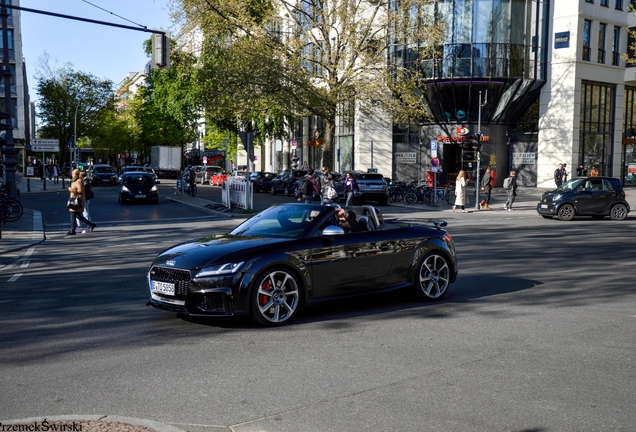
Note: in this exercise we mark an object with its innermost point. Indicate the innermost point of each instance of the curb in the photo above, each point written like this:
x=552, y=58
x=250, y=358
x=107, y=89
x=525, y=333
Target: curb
x=87, y=423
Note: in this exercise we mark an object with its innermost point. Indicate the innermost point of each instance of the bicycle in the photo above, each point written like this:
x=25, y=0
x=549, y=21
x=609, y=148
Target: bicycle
x=191, y=189
x=447, y=194
x=10, y=209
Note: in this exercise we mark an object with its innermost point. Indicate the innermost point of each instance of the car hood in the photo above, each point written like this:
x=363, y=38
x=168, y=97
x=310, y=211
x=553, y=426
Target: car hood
x=198, y=253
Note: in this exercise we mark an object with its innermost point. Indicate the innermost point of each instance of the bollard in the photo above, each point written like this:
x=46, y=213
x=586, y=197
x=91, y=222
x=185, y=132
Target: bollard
x=28, y=185
x=63, y=182
x=43, y=183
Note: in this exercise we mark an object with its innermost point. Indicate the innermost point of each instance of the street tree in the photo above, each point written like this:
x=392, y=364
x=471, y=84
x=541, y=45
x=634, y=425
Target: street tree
x=67, y=95
x=311, y=57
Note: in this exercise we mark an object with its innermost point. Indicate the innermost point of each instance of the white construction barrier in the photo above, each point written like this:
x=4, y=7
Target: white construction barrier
x=237, y=194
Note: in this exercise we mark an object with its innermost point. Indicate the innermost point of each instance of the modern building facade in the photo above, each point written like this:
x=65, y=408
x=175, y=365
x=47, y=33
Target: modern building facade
x=545, y=82
x=20, y=103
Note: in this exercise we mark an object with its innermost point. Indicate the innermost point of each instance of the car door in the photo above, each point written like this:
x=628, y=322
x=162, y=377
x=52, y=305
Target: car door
x=350, y=263
x=594, y=198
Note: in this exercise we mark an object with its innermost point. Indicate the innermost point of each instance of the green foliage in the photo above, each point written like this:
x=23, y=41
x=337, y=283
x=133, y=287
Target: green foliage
x=264, y=62
x=67, y=95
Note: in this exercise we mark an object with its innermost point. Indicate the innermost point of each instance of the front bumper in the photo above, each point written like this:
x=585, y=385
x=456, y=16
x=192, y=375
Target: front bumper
x=212, y=297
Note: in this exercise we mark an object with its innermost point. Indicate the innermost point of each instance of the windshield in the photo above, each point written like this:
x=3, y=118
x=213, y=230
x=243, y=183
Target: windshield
x=571, y=185
x=288, y=221
x=103, y=170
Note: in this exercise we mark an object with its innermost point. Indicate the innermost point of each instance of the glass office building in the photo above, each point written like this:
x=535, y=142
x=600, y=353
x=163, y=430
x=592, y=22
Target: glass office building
x=488, y=72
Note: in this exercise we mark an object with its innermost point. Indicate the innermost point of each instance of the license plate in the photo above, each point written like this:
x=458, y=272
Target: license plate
x=140, y=196
x=375, y=186
x=163, y=287
x=544, y=206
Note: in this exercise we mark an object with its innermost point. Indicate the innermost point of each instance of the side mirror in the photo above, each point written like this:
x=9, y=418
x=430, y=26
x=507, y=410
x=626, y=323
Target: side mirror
x=332, y=230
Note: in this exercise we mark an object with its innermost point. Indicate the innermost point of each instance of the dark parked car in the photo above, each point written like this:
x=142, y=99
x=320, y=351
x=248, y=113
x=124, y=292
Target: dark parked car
x=101, y=174
x=585, y=196
x=292, y=255
x=371, y=187
x=262, y=180
x=138, y=186
x=285, y=181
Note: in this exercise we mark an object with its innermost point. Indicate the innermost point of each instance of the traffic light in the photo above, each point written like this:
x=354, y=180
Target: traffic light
x=161, y=51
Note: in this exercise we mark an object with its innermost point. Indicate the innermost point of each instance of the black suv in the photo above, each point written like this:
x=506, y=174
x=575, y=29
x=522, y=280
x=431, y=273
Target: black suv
x=371, y=187
x=101, y=174
x=285, y=181
x=585, y=196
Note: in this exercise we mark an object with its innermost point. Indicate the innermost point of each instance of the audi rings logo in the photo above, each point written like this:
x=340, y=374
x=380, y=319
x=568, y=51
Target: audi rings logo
x=462, y=131
x=170, y=263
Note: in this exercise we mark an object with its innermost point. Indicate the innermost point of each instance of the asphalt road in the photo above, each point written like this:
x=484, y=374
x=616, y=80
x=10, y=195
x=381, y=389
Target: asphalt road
x=537, y=334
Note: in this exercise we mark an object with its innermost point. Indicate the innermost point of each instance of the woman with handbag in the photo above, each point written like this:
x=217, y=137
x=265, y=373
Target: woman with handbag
x=76, y=202
x=460, y=192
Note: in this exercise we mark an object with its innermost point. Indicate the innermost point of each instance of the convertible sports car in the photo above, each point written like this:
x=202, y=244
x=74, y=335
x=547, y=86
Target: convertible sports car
x=291, y=255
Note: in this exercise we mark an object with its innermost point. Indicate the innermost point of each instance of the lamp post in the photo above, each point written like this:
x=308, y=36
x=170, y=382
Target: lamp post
x=477, y=179
x=74, y=134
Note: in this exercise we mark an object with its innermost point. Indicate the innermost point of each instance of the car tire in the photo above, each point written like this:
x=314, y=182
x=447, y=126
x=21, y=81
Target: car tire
x=619, y=212
x=433, y=277
x=566, y=212
x=272, y=190
x=286, y=191
x=275, y=297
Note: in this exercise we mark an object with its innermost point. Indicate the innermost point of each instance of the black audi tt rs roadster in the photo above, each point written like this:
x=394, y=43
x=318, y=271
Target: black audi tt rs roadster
x=291, y=255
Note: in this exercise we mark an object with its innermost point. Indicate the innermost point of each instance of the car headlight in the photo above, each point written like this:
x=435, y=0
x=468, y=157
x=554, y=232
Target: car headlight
x=125, y=189
x=153, y=189
x=220, y=269
x=557, y=197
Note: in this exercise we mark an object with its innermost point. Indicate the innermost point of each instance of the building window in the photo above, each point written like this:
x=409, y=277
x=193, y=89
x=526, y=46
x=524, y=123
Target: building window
x=619, y=4
x=587, y=31
x=589, y=1
x=597, y=126
x=616, y=57
x=601, y=42
x=605, y=3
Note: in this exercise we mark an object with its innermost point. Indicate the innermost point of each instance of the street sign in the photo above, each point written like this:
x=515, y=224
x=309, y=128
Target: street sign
x=294, y=144
x=433, y=149
x=434, y=162
x=46, y=145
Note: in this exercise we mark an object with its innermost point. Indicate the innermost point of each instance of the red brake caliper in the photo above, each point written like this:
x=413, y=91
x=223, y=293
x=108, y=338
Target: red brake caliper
x=262, y=298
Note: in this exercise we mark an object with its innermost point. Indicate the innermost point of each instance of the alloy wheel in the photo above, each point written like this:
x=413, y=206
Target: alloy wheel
x=276, y=298
x=433, y=277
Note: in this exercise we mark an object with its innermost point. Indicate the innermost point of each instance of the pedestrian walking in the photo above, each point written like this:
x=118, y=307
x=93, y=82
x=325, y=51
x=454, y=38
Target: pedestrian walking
x=308, y=188
x=558, y=175
x=565, y=172
x=324, y=172
x=461, y=199
x=581, y=171
x=56, y=173
x=594, y=172
x=76, y=190
x=510, y=184
x=329, y=194
x=88, y=195
x=486, y=186
x=350, y=185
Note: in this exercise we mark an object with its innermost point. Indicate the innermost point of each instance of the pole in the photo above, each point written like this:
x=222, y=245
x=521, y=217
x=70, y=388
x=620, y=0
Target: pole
x=478, y=152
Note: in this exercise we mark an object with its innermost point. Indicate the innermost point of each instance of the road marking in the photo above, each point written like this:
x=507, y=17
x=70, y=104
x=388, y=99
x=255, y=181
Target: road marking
x=14, y=277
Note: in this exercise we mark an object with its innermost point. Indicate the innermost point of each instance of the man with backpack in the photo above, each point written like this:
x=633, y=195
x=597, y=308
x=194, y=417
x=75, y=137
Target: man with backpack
x=510, y=185
x=308, y=188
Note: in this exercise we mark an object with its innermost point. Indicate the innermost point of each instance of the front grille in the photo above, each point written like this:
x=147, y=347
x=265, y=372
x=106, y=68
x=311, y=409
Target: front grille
x=213, y=302
x=180, y=278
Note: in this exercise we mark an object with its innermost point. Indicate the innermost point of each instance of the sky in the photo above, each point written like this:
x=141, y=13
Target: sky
x=104, y=51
